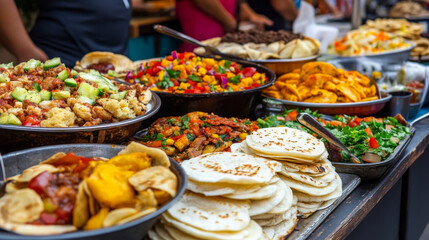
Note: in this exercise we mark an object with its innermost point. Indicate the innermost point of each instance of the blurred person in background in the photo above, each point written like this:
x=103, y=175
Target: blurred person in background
x=66, y=28
x=204, y=19
x=281, y=12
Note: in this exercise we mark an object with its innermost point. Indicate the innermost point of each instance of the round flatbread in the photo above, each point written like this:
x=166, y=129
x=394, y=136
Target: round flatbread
x=121, y=62
x=263, y=206
x=226, y=167
x=304, y=197
x=218, y=189
x=211, y=213
x=251, y=231
x=290, y=214
x=266, y=191
x=281, y=230
x=286, y=142
x=310, y=190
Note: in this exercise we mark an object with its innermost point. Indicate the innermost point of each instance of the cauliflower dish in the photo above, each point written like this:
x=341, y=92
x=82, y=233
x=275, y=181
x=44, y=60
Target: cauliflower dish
x=50, y=94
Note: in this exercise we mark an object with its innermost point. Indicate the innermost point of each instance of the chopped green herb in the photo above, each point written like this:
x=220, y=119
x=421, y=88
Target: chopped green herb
x=194, y=78
x=235, y=79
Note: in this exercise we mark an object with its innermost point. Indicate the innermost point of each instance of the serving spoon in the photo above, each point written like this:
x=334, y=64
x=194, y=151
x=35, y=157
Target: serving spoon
x=209, y=49
x=309, y=122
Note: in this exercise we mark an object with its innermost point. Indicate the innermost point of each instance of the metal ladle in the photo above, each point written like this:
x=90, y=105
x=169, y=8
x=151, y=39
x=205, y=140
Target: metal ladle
x=309, y=122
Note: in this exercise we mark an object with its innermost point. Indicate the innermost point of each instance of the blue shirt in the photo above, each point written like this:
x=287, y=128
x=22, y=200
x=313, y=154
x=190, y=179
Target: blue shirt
x=71, y=28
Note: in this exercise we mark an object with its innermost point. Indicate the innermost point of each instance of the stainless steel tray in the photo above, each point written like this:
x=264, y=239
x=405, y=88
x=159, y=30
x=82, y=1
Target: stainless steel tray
x=307, y=225
x=369, y=171
x=357, y=108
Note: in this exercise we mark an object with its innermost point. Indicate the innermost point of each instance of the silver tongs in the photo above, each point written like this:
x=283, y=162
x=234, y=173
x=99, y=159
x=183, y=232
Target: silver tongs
x=209, y=49
x=3, y=180
x=309, y=122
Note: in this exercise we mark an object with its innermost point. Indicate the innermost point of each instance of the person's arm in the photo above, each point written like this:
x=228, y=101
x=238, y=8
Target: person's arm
x=247, y=14
x=286, y=8
x=214, y=9
x=14, y=37
x=332, y=9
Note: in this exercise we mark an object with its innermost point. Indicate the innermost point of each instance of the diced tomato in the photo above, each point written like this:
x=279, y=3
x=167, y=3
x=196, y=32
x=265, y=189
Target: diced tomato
x=48, y=218
x=181, y=55
x=293, y=115
x=169, y=58
x=40, y=183
x=64, y=213
x=373, y=143
x=255, y=85
x=358, y=120
x=149, y=71
x=140, y=74
x=156, y=70
x=68, y=159
x=368, y=131
x=31, y=121
x=176, y=83
x=190, y=91
x=248, y=72
x=352, y=124
x=192, y=82
x=208, y=67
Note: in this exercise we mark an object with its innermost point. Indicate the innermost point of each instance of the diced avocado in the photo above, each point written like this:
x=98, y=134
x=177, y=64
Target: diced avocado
x=100, y=92
x=51, y=63
x=119, y=95
x=10, y=119
x=45, y=95
x=87, y=90
x=37, y=87
x=111, y=73
x=31, y=64
x=84, y=99
x=4, y=78
x=70, y=82
x=33, y=96
x=63, y=75
x=19, y=93
x=4, y=65
x=73, y=72
x=101, y=81
x=60, y=95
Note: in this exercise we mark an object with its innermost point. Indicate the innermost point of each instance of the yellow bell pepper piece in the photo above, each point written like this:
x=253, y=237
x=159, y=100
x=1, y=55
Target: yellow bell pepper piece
x=109, y=186
x=96, y=221
x=165, y=63
x=242, y=136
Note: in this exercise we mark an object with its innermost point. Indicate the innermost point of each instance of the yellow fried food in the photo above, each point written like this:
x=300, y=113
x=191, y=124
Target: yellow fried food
x=109, y=185
x=96, y=221
x=320, y=82
x=132, y=161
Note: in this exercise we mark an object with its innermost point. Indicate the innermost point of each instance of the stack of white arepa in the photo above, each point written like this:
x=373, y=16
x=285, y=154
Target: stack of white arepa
x=230, y=196
x=305, y=167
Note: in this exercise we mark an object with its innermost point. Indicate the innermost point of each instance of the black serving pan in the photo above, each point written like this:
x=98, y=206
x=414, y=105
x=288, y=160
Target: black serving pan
x=16, y=162
x=228, y=104
x=22, y=137
x=370, y=171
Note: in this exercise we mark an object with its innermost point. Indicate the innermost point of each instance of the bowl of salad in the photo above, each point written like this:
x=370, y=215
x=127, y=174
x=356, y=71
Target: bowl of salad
x=186, y=82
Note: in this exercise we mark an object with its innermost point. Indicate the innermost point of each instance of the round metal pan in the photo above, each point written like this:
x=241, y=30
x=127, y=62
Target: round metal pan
x=21, y=137
x=227, y=104
x=398, y=56
x=16, y=162
x=356, y=108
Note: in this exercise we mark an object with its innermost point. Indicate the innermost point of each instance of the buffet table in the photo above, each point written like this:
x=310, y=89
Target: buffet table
x=367, y=196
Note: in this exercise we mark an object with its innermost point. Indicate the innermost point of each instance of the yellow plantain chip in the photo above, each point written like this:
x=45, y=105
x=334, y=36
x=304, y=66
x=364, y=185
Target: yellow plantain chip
x=35, y=170
x=114, y=216
x=146, y=198
x=54, y=158
x=137, y=215
x=20, y=206
x=158, y=156
x=157, y=177
x=96, y=221
x=81, y=207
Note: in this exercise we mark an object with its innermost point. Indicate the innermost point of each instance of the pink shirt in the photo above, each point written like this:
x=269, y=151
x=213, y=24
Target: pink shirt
x=197, y=24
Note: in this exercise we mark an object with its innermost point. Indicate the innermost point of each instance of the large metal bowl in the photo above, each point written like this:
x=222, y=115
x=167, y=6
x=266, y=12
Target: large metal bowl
x=20, y=137
x=282, y=66
x=398, y=56
x=356, y=108
x=228, y=104
x=16, y=162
